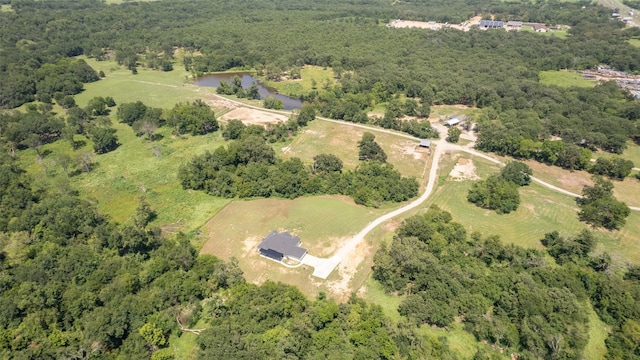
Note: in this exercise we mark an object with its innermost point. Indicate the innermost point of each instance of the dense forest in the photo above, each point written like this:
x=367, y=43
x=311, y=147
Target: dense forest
x=74, y=284
x=515, y=298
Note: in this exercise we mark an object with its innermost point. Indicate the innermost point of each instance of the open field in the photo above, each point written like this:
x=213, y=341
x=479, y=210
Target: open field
x=6, y=8
x=322, y=223
x=634, y=42
x=438, y=111
x=598, y=332
x=341, y=140
x=132, y=170
x=627, y=190
x=308, y=74
x=564, y=79
x=632, y=152
x=154, y=88
x=541, y=210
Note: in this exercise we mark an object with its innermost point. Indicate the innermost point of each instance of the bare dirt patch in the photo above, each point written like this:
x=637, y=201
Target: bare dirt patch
x=342, y=288
x=221, y=104
x=408, y=148
x=253, y=116
x=464, y=170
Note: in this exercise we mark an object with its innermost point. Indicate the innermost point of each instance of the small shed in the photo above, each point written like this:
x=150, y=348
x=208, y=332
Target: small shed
x=452, y=122
x=425, y=143
x=280, y=246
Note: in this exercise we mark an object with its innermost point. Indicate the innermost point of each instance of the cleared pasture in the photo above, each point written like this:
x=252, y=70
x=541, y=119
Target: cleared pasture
x=322, y=223
x=136, y=168
x=564, y=79
x=342, y=140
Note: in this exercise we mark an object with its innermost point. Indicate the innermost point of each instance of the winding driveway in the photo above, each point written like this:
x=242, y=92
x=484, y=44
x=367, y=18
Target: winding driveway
x=323, y=267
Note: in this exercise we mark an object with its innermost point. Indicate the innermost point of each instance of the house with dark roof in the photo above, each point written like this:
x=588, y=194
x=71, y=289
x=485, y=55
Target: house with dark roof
x=280, y=246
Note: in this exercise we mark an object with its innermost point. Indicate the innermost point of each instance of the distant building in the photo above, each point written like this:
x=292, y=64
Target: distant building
x=452, y=122
x=539, y=27
x=425, y=143
x=627, y=18
x=615, y=15
x=514, y=25
x=280, y=246
x=490, y=24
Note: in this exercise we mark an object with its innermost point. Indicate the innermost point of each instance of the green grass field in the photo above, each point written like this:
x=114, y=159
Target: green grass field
x=438, y=111
x=154, y=88
x=562, y=34
x=322, y=223
x=541, y=211
x=564, y=79
x=118, y=179
x=308, y=74
x=632, y=152
x=6, y=8
x=341, y=140
x=634, y=42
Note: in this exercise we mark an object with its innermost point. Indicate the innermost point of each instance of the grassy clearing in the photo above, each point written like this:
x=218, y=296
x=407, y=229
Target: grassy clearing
x=154, y=88
x=564, y=79
x=6, y=8
x=598, y=332
x=632, y=152
x=541, y=210
x=634, y=42
x=341, y=140
x=120, y=176
x=440, y=111
x=322, y=223
x=308, y=75
x=184, y=347
x=561, y=34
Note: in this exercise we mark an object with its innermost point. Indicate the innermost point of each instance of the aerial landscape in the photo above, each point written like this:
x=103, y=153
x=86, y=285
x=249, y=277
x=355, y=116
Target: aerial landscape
x=320, y=179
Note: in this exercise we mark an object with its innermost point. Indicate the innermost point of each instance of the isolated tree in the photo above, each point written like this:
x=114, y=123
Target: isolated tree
x=271, y=102
x=495, y=193
x=307, y=113
x=143, y=214
x=599, y=208
x=65, y=162
x=196, y=118
x=453, y=134
x=148, y=128
x=86, y=161
x=68, y=134
x=252, y=92
x=517, y=172
x=35, y=142
x=369, y=149
x=104, y=140
x=324, y=163
x=129, y=113
x=233, y=129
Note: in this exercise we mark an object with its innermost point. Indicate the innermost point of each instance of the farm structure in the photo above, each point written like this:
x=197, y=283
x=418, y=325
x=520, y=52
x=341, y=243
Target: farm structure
x=425, y=143
x=452, y=122
x=490, y=24
x=281, y=246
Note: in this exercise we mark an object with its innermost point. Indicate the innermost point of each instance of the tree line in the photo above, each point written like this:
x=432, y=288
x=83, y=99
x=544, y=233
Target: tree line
x=248, y=167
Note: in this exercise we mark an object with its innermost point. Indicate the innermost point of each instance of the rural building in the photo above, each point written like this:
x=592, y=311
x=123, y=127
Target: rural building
x=425, y=143
x=490, y=24
x=539, y=27
x=627, y=18
x=452, y=122
x=615, y=15
x=280, y=246
x=514, y=25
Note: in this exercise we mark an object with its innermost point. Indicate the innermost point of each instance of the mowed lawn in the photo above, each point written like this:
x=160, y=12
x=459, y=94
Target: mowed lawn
x=634, y=42
x=564, y=79
x=632, y=152
x=323, y=223
x=342, y=140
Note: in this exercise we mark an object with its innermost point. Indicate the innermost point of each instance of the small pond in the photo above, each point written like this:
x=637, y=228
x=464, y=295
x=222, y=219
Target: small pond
x=214, y=81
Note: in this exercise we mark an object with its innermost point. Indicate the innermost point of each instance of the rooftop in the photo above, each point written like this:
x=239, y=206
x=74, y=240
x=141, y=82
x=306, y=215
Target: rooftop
x=284, y=243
